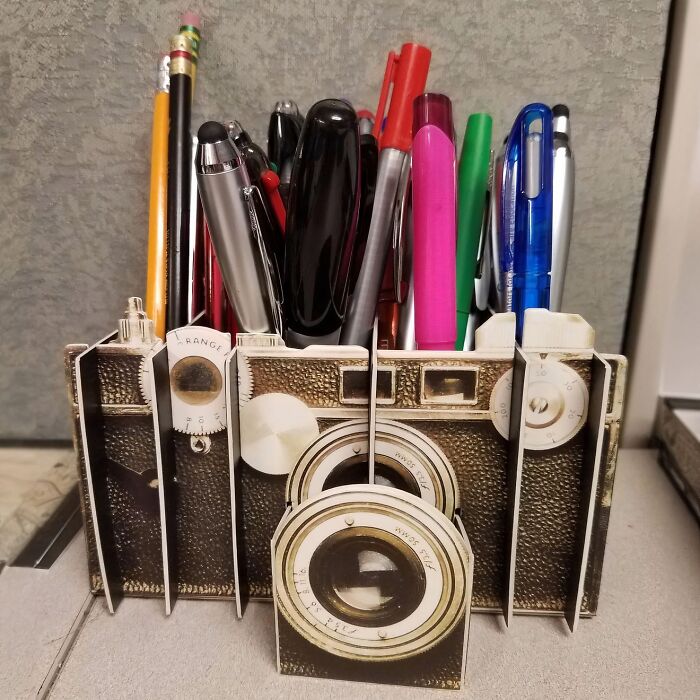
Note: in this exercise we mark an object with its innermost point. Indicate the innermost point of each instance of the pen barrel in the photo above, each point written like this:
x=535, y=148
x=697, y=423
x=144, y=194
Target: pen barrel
x=357, y=328
x=472, y=192
x=323, y=207
x=239, y=253
x=282, y=140
x=369, y=157
x=434, y=239
x=562, y=219
x=530, y=291
x=179, y=174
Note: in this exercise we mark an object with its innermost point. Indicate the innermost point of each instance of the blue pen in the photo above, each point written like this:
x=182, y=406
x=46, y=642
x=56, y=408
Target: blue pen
x=526, y=212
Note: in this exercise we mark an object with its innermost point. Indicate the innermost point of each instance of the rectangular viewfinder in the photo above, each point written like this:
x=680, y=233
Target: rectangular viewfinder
x=449, y=385
x=354, y=385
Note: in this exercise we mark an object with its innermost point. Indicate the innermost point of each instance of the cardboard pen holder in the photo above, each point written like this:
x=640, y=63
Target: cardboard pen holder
x=517, y=445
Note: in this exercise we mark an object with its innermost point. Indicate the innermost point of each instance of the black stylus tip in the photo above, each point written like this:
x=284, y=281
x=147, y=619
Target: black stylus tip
x=560, y=111
x=211, y=132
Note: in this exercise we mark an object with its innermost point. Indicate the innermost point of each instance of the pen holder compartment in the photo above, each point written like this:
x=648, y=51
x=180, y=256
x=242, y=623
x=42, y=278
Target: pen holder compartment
x=526, y=438
x=116, y=450
x=520, y=444
x=156, y=502
x=287, y=399
x=372, y=583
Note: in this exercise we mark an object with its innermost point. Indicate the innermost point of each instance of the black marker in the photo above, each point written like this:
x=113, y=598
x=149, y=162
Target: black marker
x=324, y=198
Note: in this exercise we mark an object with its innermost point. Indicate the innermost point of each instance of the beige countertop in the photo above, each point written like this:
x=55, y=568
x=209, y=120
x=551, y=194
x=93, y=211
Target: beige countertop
x=643, y=644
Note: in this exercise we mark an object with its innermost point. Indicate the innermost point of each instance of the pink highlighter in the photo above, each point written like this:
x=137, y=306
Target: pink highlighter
x=434, y=223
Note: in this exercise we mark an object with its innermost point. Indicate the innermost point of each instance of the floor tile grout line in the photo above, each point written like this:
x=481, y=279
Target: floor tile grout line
x=67, y=645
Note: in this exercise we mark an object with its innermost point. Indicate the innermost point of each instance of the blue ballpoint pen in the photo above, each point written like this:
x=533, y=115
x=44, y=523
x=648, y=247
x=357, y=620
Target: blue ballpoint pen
x=526, y=212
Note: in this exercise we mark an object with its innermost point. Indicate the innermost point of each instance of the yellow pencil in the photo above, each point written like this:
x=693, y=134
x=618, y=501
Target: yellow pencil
x=158, y=206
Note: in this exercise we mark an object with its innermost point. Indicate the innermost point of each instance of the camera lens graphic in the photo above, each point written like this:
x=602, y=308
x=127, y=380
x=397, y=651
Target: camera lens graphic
x=405, y=459
x=387, y=472
x=371, y=573
x=368, y=576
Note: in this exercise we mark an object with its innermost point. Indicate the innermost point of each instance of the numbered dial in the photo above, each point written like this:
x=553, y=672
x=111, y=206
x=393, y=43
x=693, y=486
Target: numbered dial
x=556, y=407
x=196, y=357
x=145, y=373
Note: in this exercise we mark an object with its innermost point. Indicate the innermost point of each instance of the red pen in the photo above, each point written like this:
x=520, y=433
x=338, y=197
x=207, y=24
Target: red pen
x=215, y=291
x=271, y=183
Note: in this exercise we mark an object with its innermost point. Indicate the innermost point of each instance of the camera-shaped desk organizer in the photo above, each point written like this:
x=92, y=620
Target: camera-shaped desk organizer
x=520, y=443
x=531, y=435
x=372, y=583
x=284, y=400
x=151, y=434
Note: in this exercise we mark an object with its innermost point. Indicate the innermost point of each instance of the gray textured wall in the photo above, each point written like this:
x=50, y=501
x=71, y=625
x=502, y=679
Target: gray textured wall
x=77, y=90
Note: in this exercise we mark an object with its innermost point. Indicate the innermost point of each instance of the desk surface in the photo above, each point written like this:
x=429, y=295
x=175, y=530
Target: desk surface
x=644, y=642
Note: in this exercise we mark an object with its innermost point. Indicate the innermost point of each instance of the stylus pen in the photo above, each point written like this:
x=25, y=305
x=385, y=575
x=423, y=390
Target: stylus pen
x=472, y=193
x=179, y=173
x=158, y=202
x=258, y=166
x=408, y=73
x=229, y=200
x=562, y=203
x=434, y=223
x=324, y=201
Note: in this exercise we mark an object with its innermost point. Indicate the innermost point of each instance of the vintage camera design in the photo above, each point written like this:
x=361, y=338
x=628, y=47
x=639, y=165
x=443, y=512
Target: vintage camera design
x=153, y=455
x=195, y=473
x=524, y=496
x=303, y=419
x=286, y=399
x=445, y=398
x=115, y=445
x=372, y=583
x=566, y=389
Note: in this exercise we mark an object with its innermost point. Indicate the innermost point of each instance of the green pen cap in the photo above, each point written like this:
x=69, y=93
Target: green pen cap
x=473, y=185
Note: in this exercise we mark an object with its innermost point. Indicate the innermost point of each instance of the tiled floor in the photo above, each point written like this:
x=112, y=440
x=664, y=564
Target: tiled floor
x=33, y=482
x=642, y=644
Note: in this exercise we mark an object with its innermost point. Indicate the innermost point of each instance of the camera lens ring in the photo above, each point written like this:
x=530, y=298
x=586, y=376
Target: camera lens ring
x=399, y=448
x=444, y=555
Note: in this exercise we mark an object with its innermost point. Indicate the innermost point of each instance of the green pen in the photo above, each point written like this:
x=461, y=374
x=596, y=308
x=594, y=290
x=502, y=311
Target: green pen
x=472, y=189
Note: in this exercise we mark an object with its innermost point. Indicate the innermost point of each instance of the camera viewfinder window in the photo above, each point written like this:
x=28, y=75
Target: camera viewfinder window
x=452, y=386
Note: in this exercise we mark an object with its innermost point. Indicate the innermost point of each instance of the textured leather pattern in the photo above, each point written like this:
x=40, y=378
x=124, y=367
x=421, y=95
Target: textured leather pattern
x=203, y=519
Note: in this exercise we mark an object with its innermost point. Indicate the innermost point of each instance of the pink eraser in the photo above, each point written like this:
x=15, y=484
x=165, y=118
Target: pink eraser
x=190, y=19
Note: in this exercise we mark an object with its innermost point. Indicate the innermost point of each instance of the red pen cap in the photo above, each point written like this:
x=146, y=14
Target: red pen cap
x=435, y=109
x=409, y=73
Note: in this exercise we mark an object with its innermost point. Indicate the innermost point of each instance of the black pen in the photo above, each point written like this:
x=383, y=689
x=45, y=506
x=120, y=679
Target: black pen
x=179, y=174
x=282, y=138
x=324, y=198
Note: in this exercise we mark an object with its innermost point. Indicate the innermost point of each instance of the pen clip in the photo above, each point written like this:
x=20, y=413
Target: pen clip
x=402, y=262
x=253, y=197
x=485, y=231
x=389, y=73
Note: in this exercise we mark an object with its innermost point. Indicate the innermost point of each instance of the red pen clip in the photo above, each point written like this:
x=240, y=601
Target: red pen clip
x=408, y=72
x=384, y=94
x=271, y=183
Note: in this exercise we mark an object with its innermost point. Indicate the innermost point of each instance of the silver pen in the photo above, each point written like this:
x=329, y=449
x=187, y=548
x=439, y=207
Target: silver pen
x=405, y=75
x=562, y=203
x=228, y=200
x=359, y=319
